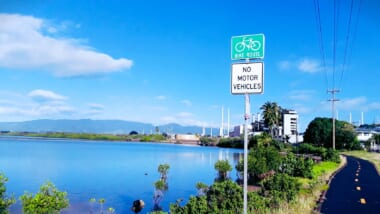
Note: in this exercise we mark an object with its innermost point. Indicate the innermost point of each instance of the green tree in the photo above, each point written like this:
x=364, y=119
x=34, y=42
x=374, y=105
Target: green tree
x=163, y=169
x=158, y=194
x=101, y=202
x=271, y=115
x=319, y=133
x=280, y=187
x=202, y=188
x=133, y=133
x=5, y=202
x=222, y=197
x=263, y=139
x=49, y=200
x=92, y=202
x=261, y=160
x=223, y=167
x=297, y=166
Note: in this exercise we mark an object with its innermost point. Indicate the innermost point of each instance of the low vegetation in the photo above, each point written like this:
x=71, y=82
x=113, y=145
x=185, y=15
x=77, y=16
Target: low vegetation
x=133, y=136
x=5, y=201
x=48, y=200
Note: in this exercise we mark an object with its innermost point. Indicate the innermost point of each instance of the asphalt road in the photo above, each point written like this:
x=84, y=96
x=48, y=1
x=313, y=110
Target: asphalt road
x=355, y=189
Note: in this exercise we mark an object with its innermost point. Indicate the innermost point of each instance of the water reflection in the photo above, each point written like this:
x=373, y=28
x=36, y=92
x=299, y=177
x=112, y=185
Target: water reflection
x=118, y=172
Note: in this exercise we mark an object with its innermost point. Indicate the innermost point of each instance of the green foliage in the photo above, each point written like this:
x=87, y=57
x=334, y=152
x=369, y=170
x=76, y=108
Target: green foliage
x=152, y=138
x=223, y=167
x=280, y=187
x=5, y=202
x=202, y=188
x=263, y=139
x=323, y=167
x=326, y=154
x=163, y=170
x=297, y=166
x=133, y=133
x=271, y=114
x=160, y=185
x=319, y=133
x=49, y=200
x=222, y=197
x=84, y=136
x=207, y=141
x=261, y=160
x=235, y=142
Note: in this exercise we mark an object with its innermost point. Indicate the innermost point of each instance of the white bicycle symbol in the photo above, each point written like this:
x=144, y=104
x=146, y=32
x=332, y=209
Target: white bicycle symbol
x=250, y=44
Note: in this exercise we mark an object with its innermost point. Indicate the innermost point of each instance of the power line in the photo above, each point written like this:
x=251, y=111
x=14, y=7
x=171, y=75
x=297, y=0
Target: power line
x=348, y=51
x=335, y=38
x=321, y=46
x=346, y=43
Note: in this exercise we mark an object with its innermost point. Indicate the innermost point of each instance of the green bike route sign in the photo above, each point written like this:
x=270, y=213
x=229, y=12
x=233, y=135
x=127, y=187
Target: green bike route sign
x=247, y=47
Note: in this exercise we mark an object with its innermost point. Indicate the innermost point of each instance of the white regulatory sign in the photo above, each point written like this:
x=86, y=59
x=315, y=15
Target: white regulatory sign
x=247, y=78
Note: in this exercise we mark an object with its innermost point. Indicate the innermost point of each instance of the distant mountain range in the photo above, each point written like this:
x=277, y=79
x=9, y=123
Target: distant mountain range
x=97, y=126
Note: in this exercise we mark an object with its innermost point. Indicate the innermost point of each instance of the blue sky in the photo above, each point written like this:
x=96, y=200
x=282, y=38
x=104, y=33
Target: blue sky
x=169, y=61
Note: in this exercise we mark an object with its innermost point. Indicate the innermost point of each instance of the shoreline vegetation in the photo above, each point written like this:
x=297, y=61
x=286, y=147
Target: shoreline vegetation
x=96, y=137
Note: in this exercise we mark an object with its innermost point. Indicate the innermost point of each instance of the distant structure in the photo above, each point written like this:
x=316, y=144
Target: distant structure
x=286, y=131
x=187, y=138
x=221, y=132
x=362, y=120
x=350, y=118
x=228, y=121
x=290, y=126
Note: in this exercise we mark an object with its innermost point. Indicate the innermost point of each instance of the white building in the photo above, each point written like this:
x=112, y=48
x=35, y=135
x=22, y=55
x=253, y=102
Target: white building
x=239, y=130
x=289, y=129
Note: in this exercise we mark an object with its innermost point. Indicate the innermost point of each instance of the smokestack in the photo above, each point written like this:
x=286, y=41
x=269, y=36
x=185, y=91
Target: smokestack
x=221, y=125
x=362, y=121
x=350, y=118
x=228, y=122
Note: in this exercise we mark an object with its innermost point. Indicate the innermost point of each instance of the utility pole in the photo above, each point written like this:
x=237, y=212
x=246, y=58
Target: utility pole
x=333, y=100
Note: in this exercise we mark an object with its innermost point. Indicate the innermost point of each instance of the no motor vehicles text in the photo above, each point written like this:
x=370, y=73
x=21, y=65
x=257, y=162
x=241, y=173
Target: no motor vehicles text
x=247, y=77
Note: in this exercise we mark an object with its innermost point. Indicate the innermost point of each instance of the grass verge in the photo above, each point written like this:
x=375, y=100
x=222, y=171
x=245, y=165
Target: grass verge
x=312, y=189
x=369, y=156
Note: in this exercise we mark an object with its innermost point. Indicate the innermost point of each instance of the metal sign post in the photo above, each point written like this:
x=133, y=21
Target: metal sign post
x=246, y=117
x=247, y=78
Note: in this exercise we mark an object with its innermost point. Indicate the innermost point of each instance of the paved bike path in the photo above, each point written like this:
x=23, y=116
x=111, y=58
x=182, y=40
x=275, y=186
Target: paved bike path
x=355, y=189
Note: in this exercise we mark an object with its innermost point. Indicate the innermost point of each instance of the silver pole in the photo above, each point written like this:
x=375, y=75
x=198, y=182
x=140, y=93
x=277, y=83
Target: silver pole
x=246, y=118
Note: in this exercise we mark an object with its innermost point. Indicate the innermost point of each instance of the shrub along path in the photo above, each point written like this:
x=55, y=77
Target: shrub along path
x=355, y=189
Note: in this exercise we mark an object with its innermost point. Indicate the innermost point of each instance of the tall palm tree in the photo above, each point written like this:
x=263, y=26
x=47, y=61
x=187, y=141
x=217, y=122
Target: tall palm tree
x=272, y=115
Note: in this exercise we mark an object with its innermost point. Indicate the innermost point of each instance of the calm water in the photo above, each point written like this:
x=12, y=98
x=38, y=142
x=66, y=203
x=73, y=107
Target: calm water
x=119, y=172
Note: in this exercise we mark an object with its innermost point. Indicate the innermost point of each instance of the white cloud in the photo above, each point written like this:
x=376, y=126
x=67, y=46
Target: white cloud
x=357, y=103
x=301, y=95
x=185, y=114
x=374, y=105
x=285, y=65
x=24, y=46
x=95, y=109
x=186, y=102
x=96, y=106
x=40, y=95
x=309, y=65
x=53, y=109
x=161, y=97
